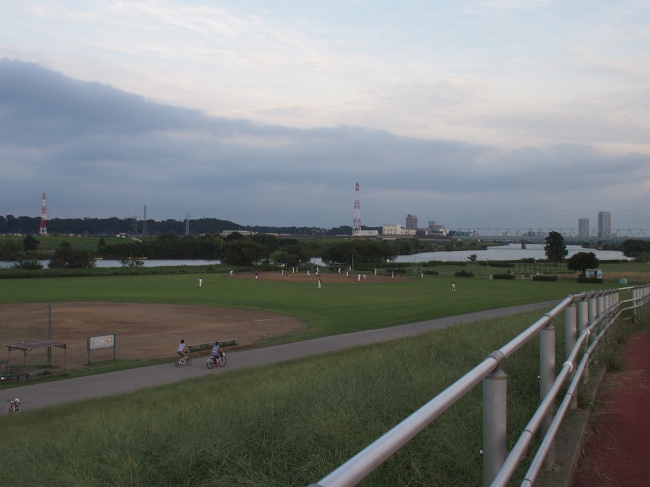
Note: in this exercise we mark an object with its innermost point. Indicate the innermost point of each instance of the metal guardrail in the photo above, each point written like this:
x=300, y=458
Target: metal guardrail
x=588, y=316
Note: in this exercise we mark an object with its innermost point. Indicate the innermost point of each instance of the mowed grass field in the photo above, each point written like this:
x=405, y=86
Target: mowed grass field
x=336, y=308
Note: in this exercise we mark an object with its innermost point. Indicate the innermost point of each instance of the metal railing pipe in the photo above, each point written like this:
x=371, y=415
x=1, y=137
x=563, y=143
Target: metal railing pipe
x=518, y=452
x=548, y=441
x=363, y=463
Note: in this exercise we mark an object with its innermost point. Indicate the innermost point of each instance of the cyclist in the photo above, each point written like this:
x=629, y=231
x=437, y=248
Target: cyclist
x=216, y=352
x=182, y=350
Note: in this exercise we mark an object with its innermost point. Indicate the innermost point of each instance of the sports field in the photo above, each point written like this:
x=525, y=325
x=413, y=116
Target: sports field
x=149, y=314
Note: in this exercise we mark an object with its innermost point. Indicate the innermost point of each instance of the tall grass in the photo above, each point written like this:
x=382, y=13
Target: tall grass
x=286, y=425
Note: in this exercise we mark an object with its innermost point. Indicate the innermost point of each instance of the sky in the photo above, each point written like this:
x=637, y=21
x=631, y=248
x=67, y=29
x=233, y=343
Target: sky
x=475, y=114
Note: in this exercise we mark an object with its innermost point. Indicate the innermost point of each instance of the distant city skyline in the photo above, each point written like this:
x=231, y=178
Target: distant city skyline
x=474, y=113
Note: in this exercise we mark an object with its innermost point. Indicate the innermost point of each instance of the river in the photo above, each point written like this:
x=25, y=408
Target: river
x=510, y=252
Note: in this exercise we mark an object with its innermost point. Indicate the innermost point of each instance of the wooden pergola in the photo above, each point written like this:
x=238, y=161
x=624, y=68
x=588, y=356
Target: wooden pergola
x=27, y=347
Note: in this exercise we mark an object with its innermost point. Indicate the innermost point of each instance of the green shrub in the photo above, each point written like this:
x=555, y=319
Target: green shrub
x=503, y=276
x=589, y=280
x=464, y=273
x=545, y=278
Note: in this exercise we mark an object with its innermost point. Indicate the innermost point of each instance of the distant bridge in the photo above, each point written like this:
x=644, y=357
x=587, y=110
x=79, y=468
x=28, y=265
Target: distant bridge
x=502, y=233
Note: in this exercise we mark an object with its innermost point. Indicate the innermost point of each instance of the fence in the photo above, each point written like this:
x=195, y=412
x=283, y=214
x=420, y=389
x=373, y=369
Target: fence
x=588, y=316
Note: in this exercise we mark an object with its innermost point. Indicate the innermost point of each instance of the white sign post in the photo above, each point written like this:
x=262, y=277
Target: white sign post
x=99, y=342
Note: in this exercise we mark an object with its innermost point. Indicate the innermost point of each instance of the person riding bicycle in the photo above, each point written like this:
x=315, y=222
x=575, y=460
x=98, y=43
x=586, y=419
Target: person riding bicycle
x=216, y=352
x=182, y=350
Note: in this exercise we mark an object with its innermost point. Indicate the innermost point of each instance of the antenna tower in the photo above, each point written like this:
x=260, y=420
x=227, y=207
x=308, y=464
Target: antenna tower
x=42, y=230
x=187, y=224
x=356, y=219
x=144, y=222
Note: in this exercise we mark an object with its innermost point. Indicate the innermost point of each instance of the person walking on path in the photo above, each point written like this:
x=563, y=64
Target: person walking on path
x=256, y=276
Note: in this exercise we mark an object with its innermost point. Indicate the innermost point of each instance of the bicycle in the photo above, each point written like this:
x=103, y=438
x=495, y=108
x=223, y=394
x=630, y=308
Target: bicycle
x=221, y=362
x=13, y=406
x=186, y=360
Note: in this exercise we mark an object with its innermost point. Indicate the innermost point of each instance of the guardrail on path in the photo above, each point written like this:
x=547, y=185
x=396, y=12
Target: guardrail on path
x=588, y=316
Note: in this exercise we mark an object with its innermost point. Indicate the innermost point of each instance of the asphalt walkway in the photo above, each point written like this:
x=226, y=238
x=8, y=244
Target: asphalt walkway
x=52, y=393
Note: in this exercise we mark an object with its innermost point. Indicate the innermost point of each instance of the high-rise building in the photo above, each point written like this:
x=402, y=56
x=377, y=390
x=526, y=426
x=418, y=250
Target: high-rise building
x=604, y=224
x=583, y=227
x=411, y=222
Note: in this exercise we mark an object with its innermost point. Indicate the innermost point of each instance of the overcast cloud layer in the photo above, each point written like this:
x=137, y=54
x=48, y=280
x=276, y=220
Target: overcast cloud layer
x=474, y=114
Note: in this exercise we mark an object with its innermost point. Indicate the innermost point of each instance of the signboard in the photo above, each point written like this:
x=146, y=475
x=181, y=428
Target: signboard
x=104, y=341
x=99, y=342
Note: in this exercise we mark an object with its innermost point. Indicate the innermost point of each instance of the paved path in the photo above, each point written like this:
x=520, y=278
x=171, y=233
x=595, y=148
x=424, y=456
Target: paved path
x=59, y=392
x=616, y=452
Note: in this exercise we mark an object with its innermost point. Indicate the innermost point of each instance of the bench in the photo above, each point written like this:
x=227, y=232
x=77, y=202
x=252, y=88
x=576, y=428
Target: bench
x=198, y=347
x=15, y=377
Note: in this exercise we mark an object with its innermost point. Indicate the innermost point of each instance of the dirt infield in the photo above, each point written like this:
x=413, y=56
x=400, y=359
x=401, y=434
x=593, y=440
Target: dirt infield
x=148, y=330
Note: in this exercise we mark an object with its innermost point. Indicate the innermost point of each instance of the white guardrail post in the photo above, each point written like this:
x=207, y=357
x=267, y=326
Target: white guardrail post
x=570, y=338
x=547, y=377
x=583, y=315
x=593, y=309
x=495, y=396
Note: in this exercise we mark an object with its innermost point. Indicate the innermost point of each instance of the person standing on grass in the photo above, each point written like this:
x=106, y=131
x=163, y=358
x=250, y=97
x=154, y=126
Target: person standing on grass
x=230, y=274
x=256, y=276
x=453, y=287
x=200, y=282
x=319, y=284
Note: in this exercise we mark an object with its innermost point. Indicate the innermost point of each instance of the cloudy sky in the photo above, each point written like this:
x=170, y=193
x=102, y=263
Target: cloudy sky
x=494, y=113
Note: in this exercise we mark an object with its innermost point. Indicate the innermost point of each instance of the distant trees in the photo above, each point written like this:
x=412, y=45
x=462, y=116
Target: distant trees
x=582, y=261
x=639, y=249
x=30, y=243
x=67, y=257
x=10, y=250
x=555, y=249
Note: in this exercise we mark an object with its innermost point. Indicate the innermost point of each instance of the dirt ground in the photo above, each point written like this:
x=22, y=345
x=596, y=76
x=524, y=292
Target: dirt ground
x=616, y=451
x=146, y=330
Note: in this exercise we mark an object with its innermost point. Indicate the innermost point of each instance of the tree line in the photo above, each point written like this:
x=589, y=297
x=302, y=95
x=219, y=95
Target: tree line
x=245, y=250
x=26, y=225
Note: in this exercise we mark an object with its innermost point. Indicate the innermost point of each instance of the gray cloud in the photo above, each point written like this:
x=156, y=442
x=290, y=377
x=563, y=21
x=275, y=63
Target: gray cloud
x=99, y=151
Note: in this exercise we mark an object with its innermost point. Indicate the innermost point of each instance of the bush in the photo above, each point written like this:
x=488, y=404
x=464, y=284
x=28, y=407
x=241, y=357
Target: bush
x=431, y=273
x=503, y=276
x=589, y=280
x=545, y=278
x=464, y=274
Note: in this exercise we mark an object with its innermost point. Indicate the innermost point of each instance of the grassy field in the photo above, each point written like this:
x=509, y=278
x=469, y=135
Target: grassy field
x=292, y=423
x=286, y=425
x=337, y=308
